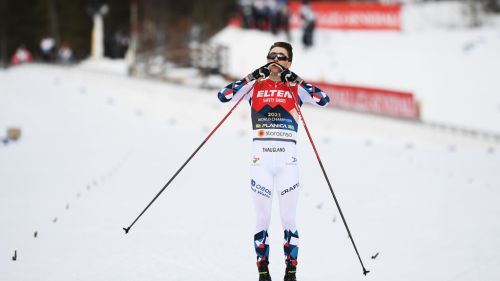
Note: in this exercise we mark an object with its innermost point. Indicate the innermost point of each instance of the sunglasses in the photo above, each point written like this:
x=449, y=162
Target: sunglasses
x=280, y=56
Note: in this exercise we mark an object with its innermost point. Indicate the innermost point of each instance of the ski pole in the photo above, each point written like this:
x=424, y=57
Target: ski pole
x=327, y=180
x=127, y=229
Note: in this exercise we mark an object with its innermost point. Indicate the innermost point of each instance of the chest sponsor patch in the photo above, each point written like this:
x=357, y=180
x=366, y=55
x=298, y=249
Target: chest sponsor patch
x=274, y=93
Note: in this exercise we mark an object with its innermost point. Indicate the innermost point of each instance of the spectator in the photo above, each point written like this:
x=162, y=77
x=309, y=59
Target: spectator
x=22, y=55
x=259, y=12
x=309, y=20
x=283, y=17
x=47, y=47
x=270, y=12
x=245, y=7
x=65, y=53
x=265, y=15
x=274, y=17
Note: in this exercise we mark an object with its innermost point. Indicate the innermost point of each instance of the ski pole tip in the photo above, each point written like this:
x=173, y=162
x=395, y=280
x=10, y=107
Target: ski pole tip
x=365, y=271
x=126, y=229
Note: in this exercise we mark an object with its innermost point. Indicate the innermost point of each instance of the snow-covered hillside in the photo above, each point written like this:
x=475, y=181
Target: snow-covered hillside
x=96, y=147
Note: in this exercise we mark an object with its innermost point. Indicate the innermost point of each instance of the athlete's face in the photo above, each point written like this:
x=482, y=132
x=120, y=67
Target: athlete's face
x=284, y=63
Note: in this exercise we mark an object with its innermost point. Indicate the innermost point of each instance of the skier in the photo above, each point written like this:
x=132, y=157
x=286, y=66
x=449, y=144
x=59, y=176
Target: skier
x=276, y=93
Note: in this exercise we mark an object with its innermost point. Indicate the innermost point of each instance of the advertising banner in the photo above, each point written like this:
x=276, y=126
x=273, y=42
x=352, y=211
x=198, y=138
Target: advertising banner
x=350, y=16
x=372, y=100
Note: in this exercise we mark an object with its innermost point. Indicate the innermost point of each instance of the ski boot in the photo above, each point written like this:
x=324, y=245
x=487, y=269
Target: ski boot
x=264, y=271
x=290, y=272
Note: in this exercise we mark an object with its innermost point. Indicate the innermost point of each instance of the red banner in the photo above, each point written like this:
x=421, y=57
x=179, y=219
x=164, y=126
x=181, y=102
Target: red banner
x=379, y=101
x=350, y=16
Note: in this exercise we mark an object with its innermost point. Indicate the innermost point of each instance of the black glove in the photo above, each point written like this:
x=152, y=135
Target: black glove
x=261, y=72
x=289, y=76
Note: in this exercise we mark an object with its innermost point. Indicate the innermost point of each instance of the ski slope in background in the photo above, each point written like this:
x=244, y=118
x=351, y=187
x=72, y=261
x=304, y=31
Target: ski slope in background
x=451, y=69
x=96, y=148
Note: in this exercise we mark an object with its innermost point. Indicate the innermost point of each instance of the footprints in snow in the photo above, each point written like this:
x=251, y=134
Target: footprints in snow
x=67, y=206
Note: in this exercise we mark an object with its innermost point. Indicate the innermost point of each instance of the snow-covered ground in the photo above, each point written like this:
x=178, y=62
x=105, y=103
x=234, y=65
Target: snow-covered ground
x=451, y=69
x=96, y=147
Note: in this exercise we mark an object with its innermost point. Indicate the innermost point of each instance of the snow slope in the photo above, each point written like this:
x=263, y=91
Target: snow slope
x=451, y=69
x=96, y=148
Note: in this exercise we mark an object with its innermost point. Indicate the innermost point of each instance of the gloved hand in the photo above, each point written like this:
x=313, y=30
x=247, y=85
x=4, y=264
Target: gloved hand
x=289, y=76
x=261, y=72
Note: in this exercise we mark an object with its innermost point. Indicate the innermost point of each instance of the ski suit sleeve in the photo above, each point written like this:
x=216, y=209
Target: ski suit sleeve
x=235, y=90
x=312, y=94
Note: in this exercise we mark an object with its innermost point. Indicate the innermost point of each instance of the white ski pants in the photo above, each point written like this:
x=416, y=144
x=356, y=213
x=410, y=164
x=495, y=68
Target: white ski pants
x=274, y=170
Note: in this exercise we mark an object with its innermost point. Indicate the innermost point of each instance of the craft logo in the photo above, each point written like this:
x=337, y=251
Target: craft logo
x=291, y=188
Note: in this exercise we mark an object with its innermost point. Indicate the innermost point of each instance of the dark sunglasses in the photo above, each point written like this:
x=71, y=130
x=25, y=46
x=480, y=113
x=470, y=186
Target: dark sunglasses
x=280, y=56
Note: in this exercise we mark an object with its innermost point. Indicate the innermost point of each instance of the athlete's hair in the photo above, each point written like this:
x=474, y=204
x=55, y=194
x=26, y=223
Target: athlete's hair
x=286, y=46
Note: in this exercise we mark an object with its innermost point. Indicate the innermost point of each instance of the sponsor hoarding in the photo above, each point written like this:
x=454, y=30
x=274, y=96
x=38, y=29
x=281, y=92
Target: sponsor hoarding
x=351, y=16
x=380, y=101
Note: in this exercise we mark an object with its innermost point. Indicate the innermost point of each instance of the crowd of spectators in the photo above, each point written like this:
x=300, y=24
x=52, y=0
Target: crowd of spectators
x=49, y=52
x=274, y=16
x=267, y=15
